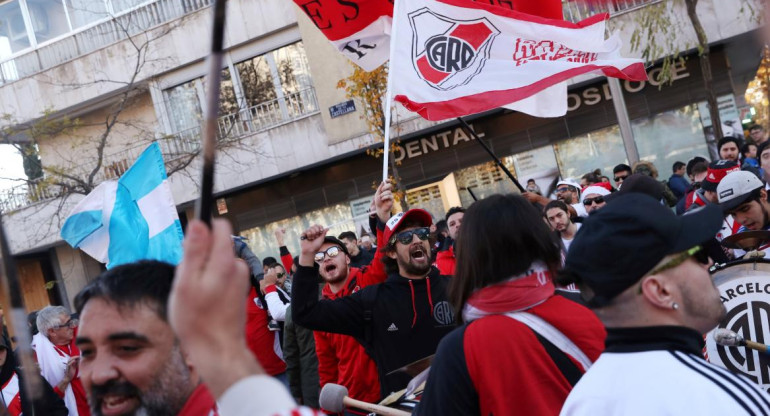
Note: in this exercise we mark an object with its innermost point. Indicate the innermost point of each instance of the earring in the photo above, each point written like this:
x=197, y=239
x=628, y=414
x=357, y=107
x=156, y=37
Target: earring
x=674, y=306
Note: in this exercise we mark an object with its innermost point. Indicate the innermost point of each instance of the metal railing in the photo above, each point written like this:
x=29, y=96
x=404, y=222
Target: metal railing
x=182, y=144
x=97, y=36
x=577, y=10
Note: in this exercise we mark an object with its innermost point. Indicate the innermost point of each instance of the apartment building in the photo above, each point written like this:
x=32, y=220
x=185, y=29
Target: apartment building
x=293, y=146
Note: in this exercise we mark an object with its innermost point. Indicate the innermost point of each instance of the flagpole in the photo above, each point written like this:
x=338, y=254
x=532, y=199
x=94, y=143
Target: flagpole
x=388, y=94
x=497, y=160
x=209, y=137
x=621, y=112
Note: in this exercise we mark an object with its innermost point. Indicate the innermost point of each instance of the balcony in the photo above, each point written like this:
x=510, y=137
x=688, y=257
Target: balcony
x=175, y=147
x=95, y=36
x=577, y=10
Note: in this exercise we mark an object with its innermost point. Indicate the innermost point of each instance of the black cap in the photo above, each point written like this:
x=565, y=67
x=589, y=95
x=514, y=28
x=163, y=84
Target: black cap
x=638, y=183
x=335, y=240
x=626, y=239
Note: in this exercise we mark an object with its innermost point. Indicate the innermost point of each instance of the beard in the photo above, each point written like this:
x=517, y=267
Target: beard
x=416, y=261
x=166, y=396
x=332, y=273
x=707, y=309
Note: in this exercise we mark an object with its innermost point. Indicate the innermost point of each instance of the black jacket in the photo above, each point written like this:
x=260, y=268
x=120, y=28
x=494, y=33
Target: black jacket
x=397, y=321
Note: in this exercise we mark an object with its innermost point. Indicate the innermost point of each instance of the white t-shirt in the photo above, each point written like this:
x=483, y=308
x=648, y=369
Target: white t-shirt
x=580, y=209
x=568, y=243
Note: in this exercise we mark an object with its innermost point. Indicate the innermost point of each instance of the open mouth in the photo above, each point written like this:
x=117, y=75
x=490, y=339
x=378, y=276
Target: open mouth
x=330, y=268
x=418, y=253
x=118, y=405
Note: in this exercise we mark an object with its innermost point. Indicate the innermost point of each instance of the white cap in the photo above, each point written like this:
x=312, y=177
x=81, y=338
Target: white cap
x=736, y=188
x=598, y=190
x=570, y=182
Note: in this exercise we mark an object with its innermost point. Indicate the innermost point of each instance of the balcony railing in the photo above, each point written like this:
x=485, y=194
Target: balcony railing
x=185, y=143
x=97, y=36
x=577, y=10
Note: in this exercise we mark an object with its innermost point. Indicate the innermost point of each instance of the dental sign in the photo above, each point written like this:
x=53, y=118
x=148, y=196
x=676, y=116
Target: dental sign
x=433, y=143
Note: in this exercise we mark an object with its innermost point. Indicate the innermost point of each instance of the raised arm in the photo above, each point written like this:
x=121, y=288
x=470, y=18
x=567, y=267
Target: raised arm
x=383, y=203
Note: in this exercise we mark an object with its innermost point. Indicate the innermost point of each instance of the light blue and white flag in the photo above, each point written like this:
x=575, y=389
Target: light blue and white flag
x=132, y=219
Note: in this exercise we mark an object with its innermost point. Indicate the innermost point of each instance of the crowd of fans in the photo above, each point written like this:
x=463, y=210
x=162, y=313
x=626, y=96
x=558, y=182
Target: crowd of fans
x=571, y=301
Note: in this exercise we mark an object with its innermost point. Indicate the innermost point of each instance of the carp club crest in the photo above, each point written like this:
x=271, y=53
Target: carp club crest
x=447, y=53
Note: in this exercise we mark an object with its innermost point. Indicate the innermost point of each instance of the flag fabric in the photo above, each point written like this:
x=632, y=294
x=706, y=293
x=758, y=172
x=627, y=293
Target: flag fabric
x=359, y=29
x=467, y=57
x=131, y=219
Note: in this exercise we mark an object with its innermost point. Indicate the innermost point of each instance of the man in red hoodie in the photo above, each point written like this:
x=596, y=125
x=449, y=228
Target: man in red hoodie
x=445, y=260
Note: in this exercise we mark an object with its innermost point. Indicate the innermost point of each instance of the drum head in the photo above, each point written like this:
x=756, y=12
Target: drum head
x=747, y=240
x=744, y=287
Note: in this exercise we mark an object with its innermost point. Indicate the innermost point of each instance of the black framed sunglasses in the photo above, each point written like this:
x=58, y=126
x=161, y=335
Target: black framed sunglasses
x=620, y=178
x=595, y=200
x=332, y=251
x=406, y=237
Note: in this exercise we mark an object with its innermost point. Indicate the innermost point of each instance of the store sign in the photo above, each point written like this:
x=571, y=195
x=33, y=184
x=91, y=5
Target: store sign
x=342, y=108
x=595, y=95
x=436, y=142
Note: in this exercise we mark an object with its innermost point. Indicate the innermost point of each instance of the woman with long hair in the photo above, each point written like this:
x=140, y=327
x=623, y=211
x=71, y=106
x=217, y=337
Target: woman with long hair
x=521, y=348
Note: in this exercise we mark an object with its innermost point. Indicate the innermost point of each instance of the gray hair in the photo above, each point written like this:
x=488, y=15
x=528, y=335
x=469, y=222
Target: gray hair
x=48, y=318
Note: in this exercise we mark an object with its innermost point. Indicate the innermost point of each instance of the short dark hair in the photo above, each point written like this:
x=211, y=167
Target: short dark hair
x=268, y=261
x=441, y=225
x=493, y=228
x=700, y=167
x=453, y=211
x=348, y=235
x=678, y=165
x=621, y=168
x=146, y=282
x=762, y=147
x=593, y=177
x=756, y=127
x=530, y=180
x=725, y=140
x=746, y=149
x=692, y=162
x=556, y=204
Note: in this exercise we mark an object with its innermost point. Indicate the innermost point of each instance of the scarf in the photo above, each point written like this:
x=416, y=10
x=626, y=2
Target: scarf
x=52, y=366
x=515, y=294
x=11, y=396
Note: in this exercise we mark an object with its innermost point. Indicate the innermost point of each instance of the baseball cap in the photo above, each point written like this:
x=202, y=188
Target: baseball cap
x=641, y=184
x=737, y=188
x=395, y=221
x=718, y=169
x=620, y=243
x=570, y=182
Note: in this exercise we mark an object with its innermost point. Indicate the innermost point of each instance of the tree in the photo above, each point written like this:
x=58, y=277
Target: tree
x=369, y=89
x=655, y=35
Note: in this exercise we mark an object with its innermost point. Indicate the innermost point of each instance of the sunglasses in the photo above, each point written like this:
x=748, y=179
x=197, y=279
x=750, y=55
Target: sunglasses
x=562, y=189
x=332, y=252
x=72, y=323
x=620, y=178
x=280, y=275
x=696, y=252
x=595, y=200
x=406, y=236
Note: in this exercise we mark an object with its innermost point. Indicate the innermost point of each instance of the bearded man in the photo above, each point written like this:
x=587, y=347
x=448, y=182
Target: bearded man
x=399, y=321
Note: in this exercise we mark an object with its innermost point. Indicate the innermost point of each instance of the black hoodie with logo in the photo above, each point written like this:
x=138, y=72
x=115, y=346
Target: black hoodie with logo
x=398, y=321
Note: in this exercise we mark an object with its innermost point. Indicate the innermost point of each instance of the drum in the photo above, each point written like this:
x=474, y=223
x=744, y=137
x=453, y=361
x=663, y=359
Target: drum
x=744, y=286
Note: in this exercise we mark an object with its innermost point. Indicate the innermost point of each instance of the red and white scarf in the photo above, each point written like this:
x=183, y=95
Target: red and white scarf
x=516, y=293
x=11, y=396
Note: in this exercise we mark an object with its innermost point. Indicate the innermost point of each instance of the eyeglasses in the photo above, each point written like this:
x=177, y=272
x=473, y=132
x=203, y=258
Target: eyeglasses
x=332, y=252
x=72, y=323
x=562, y=189
x=595, y=200
x=696, y=252
x=280, y=275
x=406, y=236
x=620, y=178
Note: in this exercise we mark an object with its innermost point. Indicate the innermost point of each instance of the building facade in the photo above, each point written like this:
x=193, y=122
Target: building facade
x=293, y=146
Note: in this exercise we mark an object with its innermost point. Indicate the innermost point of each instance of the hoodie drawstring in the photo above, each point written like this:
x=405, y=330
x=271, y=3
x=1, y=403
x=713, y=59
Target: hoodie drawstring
x=414, y=308
x=430, y=299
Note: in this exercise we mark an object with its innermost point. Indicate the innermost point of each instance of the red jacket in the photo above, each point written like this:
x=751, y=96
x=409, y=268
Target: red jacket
x=445, y=261
x=261, y=340
x=341, y=359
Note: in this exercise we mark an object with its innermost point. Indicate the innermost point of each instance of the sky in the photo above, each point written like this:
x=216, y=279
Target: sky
x=11, y=166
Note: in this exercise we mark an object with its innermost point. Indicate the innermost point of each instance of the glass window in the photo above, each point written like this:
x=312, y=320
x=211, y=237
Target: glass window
x=483, y=180
x=183, y=106
x=671, y=136
x=261, y=240
x=427, y=198
x=48, y=19
x=119, y=6
x=257, y=81
x=293, y=69
x=13, y=32
x=601, y=149
x=84, y=12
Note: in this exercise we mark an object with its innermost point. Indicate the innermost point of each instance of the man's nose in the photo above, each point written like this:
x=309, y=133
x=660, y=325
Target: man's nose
x=98, y=370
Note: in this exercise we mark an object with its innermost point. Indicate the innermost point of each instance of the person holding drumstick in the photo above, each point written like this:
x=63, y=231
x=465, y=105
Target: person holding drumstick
x=650, y=285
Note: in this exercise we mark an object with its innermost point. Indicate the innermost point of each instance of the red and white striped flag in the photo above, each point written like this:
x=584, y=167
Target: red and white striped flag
x=467, y=57
x=360, y=29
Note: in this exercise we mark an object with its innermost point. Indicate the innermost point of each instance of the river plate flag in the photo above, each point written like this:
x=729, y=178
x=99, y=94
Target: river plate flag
x=131, y=219
x=468, y=57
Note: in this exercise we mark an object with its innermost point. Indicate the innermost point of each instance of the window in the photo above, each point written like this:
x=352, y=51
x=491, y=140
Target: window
x=183, y=102
x=601, y=149
x=85, y=12
x=671, y=136
x=13, y=32
x=48, y=19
